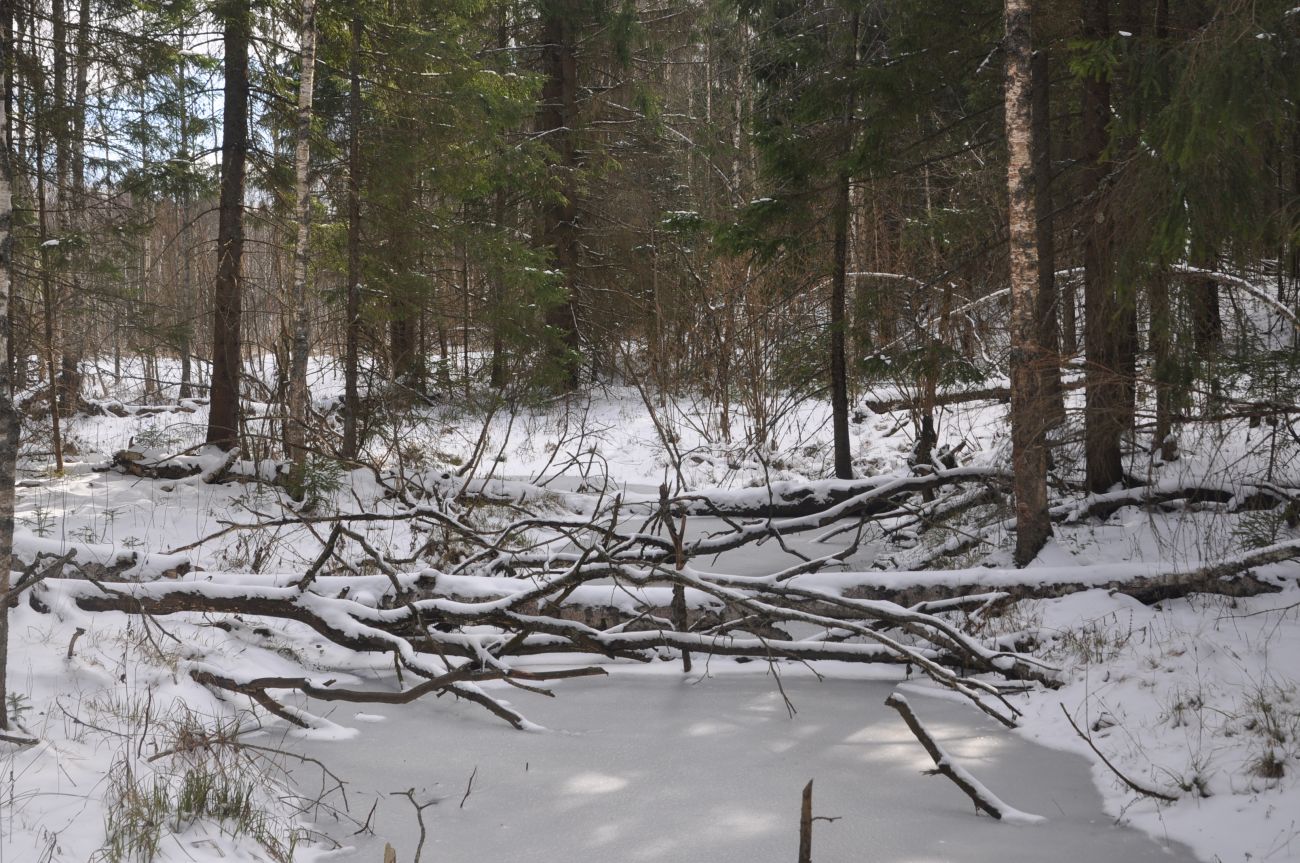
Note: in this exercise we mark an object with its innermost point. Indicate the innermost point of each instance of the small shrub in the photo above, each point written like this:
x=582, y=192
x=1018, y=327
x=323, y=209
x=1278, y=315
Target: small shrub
x=156, y=437
x=41, y=521
x=1261, y=528
x=1269, y=766
x=321, y=480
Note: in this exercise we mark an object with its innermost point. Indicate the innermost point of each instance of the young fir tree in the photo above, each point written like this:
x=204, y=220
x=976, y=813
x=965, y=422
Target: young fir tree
x=433, y=166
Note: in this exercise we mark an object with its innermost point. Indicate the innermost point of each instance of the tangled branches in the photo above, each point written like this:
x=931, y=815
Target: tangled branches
x=626, y=581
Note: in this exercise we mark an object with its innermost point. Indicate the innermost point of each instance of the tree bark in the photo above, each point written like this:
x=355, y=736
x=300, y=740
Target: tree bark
x=223, y=418
x=296, y=429
x=8, y=413
x=840, y=242
x=73, y=352
x=1207, y=322
x=1126, y=294
x=1029, y=414
x=1163, y=366
x=497, y=369
x=351, y=392
x=185, y=347
x=1294, y=265
x=557, y=121
x=1104, y=418
x=405, y=302
x=69, y=381
x=1049, y=334
x=49, y=296
x=806, y=824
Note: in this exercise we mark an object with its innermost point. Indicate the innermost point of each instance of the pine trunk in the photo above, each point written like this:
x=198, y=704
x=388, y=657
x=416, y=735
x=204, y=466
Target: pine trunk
x=69, y=383
x=1104, y=416
x=1049, y=338
x=1029, y=415
x=497, y=372
x=185, y=347
x=557, y=120
x=352, y=336
x=1164, y=369
x=1207, y=322
x=223, y=418
x=839, y=275
x=49, y=297
x=1294, y=265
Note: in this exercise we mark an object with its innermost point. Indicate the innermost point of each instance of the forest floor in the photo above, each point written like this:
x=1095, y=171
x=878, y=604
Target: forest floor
x=1198, y=697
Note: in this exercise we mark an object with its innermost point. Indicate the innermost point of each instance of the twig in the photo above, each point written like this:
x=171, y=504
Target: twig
x=370, y=816
x=409, y=794
x=30, y=577
x=72, y=642
x=1140, y=789
x=469, y=787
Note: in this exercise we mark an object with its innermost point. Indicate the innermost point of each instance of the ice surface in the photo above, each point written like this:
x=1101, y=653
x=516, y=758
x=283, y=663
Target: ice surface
x=651, y=766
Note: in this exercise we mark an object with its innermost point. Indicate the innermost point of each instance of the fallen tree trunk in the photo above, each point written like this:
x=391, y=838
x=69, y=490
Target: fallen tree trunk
x=828, y=500
x=908, y=403
x=139, y=464
x=942, y=399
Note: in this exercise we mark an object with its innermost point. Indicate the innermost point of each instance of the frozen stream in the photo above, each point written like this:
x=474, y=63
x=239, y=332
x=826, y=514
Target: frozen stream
x=650, y=765
x=655, y=767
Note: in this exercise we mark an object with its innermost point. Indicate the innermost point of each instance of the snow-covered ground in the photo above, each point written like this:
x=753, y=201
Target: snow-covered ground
x=1199, y=697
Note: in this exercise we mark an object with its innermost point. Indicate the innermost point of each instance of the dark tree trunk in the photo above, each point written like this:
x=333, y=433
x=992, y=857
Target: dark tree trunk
x=1164, y=366
x=1069, y=320
x=223, y=418
x=69, y=380
x=1294, y=268
x=352, y=336
x=1104, y=416
x=557, y=121
x=1162, y=321
x=185, y=347
x=497, y=370
x=839, y=275
x=9, y=422
x=1207, y=323
x=49, y=297
x=1126, y=327
x=402, y=344
x=405, y=304
x=1049, y=338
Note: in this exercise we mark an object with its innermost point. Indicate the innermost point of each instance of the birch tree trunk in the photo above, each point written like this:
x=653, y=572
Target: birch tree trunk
x=295, y=432
x=1029, y=418
x=8, y=413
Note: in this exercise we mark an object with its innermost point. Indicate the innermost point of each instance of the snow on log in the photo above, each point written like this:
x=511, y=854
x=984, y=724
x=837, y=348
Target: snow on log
x=944, y=763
